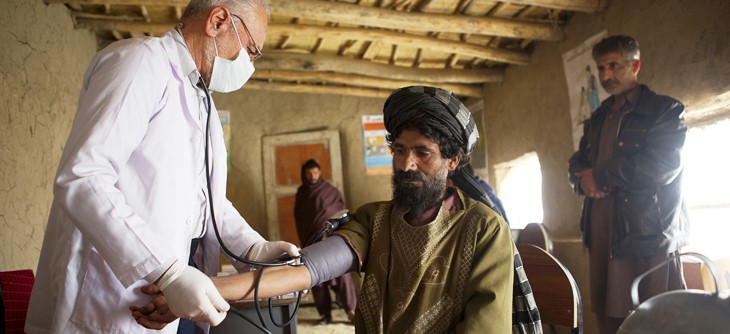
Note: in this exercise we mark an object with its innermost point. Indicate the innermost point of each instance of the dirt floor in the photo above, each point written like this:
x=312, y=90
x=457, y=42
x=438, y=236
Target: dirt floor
x=308, y=322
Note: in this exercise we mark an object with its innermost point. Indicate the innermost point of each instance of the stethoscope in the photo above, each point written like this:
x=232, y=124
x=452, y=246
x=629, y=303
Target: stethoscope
x=296, y=261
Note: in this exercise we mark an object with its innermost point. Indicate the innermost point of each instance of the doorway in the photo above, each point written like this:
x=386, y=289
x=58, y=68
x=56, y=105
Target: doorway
x=283, y=156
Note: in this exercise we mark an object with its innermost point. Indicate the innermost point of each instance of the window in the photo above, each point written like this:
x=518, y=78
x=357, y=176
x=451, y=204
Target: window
x=519, y=187
x=706, y=188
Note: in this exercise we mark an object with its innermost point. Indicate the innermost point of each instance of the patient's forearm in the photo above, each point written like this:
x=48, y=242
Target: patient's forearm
x=275, y=281
x=323, y=261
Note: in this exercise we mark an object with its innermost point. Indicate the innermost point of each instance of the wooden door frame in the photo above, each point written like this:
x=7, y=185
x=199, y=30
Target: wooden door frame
x=272, y=191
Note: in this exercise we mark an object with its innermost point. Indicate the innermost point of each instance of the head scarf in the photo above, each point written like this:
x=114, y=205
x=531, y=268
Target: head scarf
x=437, y=107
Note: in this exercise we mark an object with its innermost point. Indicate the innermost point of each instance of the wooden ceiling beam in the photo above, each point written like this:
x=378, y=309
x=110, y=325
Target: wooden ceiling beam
x=420, y=6
x=182, y=3
x=384, y=18
x=586, y=6
x=145, y=13
x=360, y=81
x=388, y=37
x=393, y=54
x=325, y=63
x=317, y=89
x=390, y=19
x=372, y=48
x=404, y=40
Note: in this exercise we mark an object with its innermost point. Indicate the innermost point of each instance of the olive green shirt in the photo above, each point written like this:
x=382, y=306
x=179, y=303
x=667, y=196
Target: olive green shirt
x=454, y=274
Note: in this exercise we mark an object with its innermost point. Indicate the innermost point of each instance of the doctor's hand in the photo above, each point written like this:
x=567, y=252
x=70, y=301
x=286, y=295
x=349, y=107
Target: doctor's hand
x=156, y=314
x=190, y=294
x=266, y=251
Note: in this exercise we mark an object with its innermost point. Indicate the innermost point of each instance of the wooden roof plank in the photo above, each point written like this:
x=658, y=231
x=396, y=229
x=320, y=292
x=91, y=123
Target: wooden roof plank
x=406, y=40
x=358, y=80
x=383, y=18
x=308, y=62
x=318, y=89
x=586, y=6
x=388, y=37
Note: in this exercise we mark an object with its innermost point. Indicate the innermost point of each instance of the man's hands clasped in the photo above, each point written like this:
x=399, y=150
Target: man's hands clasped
x=156, y=314
x=186, y=293
x=589, y=185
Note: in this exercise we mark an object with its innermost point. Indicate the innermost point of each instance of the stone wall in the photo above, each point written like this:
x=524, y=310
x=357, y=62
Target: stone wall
x=42, y=61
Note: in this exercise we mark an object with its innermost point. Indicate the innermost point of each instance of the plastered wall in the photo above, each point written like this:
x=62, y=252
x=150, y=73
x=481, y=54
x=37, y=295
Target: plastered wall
x=42, y=61
x=255, y=114
x=685, y=53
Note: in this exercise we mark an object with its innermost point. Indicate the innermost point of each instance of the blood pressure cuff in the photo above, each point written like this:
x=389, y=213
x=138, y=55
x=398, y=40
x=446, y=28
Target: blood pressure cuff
x=328, y=259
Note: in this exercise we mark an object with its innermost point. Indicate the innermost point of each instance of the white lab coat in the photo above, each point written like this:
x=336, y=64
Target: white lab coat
x=126, y=192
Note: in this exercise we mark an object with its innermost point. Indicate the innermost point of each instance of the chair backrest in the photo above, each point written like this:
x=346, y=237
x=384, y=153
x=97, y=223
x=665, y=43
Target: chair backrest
x=15, y=287
x=536, y=234
x=556, y=293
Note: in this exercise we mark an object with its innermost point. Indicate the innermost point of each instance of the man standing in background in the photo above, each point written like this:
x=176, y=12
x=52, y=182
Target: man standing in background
x=316, y=201
x=629, y=168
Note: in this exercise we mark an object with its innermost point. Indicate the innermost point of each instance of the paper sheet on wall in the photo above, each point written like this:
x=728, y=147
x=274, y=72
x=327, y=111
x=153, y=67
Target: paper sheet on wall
x=584, y=89
x=378, y=160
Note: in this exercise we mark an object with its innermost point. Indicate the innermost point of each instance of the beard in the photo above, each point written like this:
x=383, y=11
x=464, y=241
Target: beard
x=417, y=198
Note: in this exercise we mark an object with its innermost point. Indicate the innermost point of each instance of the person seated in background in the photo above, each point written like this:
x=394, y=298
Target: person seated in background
x=434, y=259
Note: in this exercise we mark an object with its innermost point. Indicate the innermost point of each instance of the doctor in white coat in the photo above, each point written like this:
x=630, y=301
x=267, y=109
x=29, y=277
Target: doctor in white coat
x=131, y=191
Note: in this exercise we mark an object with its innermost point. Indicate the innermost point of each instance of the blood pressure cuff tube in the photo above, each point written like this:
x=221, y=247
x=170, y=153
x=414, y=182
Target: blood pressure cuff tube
x=330, y=258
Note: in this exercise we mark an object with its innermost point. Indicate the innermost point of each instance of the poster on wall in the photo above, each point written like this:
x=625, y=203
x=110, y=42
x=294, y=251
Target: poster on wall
x=584, y=89
x=378, y=160
x=225, y=117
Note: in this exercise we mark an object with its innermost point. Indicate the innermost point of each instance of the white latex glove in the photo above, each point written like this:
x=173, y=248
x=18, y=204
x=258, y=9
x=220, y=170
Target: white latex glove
x=190, y=294
x=266, y=251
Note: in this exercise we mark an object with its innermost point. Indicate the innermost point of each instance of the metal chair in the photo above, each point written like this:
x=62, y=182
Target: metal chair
x=679, y=311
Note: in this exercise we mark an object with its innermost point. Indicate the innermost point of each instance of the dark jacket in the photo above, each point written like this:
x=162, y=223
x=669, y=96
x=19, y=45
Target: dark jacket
x=644, y=175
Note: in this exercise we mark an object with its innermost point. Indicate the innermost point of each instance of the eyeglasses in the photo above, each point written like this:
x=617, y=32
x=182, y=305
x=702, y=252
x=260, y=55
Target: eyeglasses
x=253, y=52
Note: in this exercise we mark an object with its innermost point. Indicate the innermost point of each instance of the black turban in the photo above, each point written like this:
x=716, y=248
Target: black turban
x=437, y=107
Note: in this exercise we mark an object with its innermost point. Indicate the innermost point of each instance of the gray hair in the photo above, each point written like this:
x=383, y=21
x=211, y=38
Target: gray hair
x=246, y=8
x=626, y=45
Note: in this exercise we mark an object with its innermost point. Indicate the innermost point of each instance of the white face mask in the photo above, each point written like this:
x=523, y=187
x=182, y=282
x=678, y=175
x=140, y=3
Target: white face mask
x=230, y=75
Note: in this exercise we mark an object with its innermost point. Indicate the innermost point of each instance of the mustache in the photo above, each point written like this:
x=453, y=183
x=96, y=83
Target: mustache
x=400, y=176
x=609, y=82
